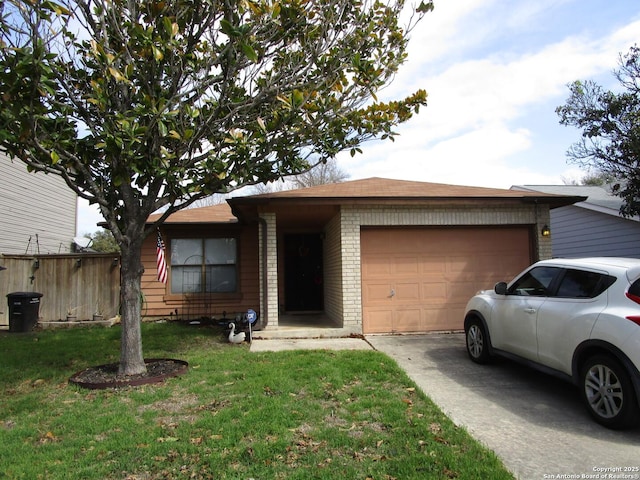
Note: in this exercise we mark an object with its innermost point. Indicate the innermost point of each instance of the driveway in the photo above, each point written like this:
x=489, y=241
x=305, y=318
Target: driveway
x=535, y=423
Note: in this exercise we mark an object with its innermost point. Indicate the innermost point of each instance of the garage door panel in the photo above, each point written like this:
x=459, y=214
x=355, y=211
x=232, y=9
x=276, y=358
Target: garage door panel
x=462, y=292
x=406, y=265
x=432, y=265
x=376, y=293
x=407, y=320
x=380, y=321
x=434, y=292
x=505, y=262
x=373, y=266
x=459, y=265
x=407, y=292
x=433, y=271
x=439, y=319
x=470, y=266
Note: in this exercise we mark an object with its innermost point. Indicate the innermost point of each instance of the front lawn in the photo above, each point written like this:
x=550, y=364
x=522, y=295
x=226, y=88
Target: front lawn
x=235, y=414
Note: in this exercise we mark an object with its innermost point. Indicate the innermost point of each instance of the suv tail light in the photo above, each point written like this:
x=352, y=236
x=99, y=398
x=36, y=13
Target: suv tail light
x=634, y=318
x=634, y=298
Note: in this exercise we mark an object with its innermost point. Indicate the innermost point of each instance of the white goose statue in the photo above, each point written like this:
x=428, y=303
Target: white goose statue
x=235, y=337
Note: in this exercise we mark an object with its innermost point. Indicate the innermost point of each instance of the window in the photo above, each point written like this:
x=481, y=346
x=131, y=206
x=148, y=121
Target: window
x=536, y=282
x=581, y=284
x=204, y=265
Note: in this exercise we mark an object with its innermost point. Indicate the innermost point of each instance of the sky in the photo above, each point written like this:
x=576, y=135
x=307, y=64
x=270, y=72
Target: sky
x=494, y=72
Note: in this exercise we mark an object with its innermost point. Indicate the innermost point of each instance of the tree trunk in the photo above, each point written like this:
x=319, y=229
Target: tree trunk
x=131, y=358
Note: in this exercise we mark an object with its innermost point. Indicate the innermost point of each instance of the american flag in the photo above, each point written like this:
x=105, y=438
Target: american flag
x=161, y=261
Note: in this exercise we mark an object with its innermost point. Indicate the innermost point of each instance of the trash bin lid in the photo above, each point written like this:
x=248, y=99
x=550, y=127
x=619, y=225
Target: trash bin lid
x=24, y=295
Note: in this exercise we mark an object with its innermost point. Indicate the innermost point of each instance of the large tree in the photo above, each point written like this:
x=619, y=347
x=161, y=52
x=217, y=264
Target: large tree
x=141, y=105
x=610, y=124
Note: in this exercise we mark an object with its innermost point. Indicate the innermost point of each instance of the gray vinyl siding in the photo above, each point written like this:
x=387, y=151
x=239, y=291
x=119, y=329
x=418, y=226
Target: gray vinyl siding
x=578, y=232
x=34, y=206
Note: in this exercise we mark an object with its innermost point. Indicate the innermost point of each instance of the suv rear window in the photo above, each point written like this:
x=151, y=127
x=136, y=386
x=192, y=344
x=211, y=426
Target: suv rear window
x=634, y=289
x=582, y=284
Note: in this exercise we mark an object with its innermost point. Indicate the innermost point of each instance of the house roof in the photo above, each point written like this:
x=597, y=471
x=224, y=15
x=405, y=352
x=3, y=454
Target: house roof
x=384, y=191
x=365, y=191
x=388, y=189
x=598, y=198
x=220, y=213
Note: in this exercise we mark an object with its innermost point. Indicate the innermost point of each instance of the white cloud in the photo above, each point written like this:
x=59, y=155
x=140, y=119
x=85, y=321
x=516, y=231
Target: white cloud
x=481, y=125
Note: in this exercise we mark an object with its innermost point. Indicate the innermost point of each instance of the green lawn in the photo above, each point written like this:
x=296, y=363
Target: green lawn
x=235, y=414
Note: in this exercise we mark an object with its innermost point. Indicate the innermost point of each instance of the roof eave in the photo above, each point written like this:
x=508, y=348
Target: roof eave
x=554, y=200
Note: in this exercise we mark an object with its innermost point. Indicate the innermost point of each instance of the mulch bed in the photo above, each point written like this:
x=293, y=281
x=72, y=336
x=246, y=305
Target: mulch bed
x=107, y=376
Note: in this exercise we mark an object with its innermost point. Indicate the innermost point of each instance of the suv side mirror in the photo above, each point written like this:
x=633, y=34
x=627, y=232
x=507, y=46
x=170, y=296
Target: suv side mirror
x=500, y=288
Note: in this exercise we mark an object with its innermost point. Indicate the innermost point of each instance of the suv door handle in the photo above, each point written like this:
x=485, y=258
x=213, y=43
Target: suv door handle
x=530, y=310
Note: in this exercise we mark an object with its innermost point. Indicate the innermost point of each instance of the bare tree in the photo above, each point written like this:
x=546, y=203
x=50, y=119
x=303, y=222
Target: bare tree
x=322, y=174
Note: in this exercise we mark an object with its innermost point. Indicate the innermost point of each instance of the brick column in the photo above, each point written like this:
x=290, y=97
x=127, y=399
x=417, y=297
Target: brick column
x=352, y=281
x=271, y=273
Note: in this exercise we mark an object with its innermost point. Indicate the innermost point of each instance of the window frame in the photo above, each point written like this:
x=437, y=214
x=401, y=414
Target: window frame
x=549, y=290
x=605, y=281
x=209, y=296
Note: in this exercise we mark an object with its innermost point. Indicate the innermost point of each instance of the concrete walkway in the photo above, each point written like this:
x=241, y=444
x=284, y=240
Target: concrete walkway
x=274, y=345
x=535, y=423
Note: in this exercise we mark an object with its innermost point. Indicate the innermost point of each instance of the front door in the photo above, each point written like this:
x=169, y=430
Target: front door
x=303, y=272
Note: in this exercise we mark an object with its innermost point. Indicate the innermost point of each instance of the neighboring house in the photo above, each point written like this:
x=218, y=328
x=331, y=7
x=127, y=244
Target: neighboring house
x=593, y=227
x=37, y=211
x=372, y=256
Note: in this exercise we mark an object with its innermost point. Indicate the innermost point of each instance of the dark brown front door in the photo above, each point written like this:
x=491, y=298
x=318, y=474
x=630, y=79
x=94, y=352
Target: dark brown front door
x=303, y=272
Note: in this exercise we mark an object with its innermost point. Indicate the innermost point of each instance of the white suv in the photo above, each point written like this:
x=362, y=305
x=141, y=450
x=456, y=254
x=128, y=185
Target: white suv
x=575, y=318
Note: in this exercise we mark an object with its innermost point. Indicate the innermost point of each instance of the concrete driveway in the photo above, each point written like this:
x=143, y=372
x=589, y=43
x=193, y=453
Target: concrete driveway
x=535, y=423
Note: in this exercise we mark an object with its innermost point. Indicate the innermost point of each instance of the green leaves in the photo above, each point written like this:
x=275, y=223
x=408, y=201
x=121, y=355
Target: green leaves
x=425, y=7
x=54, y=7
x=178, y=99
x=250, y=52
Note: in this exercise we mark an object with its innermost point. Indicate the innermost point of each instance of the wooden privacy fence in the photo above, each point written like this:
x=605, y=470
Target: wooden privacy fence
x=78, y=284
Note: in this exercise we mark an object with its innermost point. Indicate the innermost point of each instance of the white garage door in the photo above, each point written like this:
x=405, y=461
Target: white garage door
x=420, y=279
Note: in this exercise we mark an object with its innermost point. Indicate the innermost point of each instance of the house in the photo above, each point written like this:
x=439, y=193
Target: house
x=593, y=227
x=366, y=256
x=37, y=211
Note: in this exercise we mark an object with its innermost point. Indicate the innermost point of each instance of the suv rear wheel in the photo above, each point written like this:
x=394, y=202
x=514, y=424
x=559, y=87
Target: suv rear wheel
x=608, y=392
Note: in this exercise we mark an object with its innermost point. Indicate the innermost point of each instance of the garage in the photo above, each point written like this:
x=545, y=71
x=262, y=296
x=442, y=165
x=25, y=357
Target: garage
x=420, y=279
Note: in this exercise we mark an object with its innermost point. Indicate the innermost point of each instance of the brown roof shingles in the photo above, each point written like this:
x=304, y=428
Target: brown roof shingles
x=220, y=213
x=387, y=188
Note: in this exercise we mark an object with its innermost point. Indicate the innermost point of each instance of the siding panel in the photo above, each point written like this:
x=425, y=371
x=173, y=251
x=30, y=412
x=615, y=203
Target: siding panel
x=37, y=211
x=577, y=232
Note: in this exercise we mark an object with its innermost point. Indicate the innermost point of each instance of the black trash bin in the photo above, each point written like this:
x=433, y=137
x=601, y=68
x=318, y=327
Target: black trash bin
x=24, y=308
